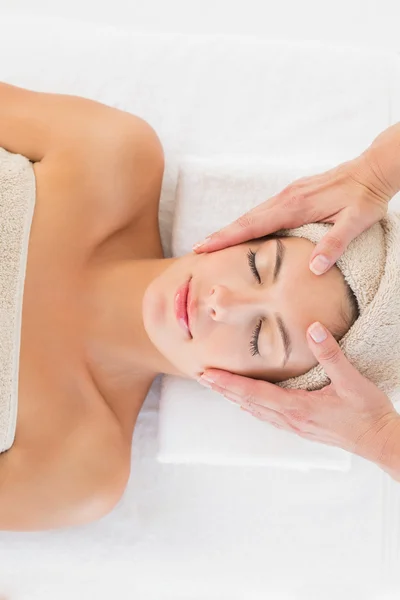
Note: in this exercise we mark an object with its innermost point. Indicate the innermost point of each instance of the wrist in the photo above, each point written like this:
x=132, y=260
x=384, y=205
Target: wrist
x=383, y=158
x=389, y=448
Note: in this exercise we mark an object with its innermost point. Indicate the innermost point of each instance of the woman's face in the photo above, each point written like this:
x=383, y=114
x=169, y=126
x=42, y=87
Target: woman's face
x=234, y=291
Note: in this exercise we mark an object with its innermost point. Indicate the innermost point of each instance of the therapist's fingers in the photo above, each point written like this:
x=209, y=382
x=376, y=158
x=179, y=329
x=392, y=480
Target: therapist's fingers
x=335, y=242
x=267, y=218
x=343, y=375
x=242, y=389
x=292, y=207
x=255, y=223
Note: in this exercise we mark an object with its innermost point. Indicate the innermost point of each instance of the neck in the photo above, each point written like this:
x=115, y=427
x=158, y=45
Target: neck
x=118, y=349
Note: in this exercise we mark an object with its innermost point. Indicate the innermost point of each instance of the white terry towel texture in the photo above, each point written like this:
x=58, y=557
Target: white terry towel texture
x=17, y=202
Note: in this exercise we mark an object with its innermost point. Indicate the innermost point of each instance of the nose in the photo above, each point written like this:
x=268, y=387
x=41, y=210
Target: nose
x=228, y=305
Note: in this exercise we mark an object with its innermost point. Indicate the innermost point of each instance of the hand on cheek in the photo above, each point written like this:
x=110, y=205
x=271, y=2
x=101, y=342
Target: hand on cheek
x=350, y=413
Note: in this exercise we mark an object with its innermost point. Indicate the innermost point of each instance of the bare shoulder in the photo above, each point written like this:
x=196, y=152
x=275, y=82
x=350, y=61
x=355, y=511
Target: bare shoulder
x=106, y=153
x=73, y=483
x=76, y=481
x=101, y=185
x=38, y=125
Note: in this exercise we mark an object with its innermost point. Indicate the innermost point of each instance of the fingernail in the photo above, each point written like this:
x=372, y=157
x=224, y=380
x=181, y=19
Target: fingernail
x=318, y=333
x=319, y=265
x=205, y=379
x=202, y=243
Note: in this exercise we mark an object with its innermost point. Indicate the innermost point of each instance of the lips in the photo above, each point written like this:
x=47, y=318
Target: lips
x=181, y=307
x=189, y=308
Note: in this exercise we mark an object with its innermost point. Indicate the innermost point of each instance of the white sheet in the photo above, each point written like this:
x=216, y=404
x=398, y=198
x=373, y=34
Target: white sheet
x=198, y=532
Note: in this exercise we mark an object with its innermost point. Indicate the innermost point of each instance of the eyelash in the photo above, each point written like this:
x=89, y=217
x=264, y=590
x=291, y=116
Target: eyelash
x=254, y=338
x=252, y=262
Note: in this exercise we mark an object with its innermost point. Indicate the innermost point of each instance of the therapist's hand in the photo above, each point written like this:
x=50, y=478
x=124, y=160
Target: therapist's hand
x=350, y=413
x=352, y=196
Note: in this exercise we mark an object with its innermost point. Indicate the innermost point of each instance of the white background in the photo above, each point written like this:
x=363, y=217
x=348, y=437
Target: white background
x=355, y=22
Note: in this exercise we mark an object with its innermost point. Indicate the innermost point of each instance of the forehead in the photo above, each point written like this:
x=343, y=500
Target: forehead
x=299, y=286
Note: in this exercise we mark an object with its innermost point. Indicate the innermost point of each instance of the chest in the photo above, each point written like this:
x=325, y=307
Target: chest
x=55, y=392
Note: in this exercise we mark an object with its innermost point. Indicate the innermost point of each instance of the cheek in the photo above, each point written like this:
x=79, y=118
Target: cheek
x=224, y=350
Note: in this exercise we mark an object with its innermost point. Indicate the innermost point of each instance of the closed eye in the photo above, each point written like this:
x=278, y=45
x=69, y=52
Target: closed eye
x=287, y=343
x=251, y=256
x=256, y=333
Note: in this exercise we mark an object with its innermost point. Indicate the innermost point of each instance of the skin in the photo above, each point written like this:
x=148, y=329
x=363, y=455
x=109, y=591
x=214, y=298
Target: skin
x=133, y=329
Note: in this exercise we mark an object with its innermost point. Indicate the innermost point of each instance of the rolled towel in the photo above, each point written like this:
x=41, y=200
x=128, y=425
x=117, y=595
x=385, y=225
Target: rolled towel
x=371, y=267
x=17, y=202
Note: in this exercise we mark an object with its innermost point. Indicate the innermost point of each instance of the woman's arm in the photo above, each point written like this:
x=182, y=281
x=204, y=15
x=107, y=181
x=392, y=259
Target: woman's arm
x=86, y=152
x=35, y=124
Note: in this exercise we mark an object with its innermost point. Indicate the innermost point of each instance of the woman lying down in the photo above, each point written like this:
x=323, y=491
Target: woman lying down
x=104, y=313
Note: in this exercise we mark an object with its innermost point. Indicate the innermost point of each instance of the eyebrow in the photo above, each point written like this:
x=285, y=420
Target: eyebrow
x=287, y=344
x=280, y=253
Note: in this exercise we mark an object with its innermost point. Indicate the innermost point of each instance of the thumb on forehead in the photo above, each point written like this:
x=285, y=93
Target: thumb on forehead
x=329, y=354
